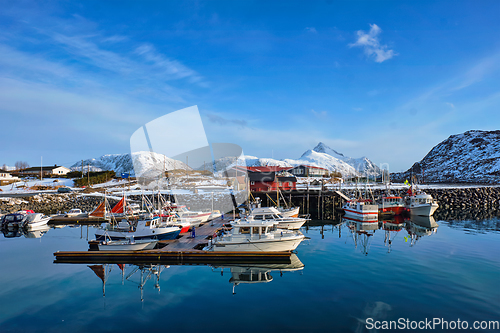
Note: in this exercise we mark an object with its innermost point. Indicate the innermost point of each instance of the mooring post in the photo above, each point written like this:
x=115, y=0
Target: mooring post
x=307, y=201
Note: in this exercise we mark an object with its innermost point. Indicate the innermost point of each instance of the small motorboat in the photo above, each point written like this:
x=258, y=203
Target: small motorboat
x=35, y=220
x=127, y=245
x=147, y=228
x=76, y=212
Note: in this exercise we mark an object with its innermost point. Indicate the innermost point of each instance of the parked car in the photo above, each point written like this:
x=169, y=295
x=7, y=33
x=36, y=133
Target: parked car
x=64, y=190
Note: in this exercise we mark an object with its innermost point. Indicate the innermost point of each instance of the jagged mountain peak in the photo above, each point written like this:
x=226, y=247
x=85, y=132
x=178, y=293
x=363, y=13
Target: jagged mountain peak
x=323, y=148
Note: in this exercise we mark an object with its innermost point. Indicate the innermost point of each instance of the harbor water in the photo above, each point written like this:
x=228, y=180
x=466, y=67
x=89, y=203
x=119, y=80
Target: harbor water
x=344, y=276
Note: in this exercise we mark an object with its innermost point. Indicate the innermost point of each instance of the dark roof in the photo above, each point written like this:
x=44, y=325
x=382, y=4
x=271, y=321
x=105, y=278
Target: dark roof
x=287, y=179
x=269, y=168
x=269, y=177
x=261, y=176
x=310, y=167
x=5, y=171
x=44, y=168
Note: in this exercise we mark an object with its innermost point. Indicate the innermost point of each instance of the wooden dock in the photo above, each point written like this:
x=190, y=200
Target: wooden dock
x=184, y=250
x=61, y=220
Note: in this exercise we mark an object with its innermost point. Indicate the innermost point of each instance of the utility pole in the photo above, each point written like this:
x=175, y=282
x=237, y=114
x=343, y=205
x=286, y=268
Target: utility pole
x=88, y=174
x=82, y=169
x=41, y=168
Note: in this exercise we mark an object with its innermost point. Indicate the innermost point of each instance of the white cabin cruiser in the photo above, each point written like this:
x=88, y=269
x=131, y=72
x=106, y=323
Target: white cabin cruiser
x=257, y=235
x=422, y=204
x=35, y=220
x=271, y=213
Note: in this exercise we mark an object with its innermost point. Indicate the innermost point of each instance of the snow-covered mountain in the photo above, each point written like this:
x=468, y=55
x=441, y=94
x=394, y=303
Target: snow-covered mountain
x=320, y=156
x=362, y=165
x=143, y=161
x=473, y=156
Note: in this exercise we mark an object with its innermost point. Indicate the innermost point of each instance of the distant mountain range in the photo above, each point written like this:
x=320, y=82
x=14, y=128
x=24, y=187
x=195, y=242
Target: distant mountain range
x=471, y=157
x=320, y=156
x=119, y=163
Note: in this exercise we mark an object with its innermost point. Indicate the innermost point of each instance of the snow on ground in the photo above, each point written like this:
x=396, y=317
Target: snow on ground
x=50, y=182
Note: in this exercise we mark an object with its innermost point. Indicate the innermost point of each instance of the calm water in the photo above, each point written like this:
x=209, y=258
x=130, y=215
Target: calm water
x=344, y=274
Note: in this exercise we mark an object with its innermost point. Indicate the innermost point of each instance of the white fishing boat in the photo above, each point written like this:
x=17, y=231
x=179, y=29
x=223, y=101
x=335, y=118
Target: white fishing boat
x=35, y=220
x=361, y=209
x=254, y=235
x=422, y=204
x=129, y=244
x=144, y=228
x=271, y=213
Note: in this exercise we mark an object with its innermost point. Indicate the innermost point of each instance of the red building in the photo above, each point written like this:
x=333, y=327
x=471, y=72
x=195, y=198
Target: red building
x=270, y=181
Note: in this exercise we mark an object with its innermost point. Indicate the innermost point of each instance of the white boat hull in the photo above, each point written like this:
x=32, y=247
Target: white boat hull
x=365, y=214
x=424, y=210
x=126, y=246
x=266, y=245
x=161, y=233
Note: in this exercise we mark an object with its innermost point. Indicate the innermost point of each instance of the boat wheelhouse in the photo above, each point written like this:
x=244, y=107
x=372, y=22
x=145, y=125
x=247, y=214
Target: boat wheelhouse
x=392, y=205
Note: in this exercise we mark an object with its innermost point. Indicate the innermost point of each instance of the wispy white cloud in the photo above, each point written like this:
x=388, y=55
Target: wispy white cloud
x=172, y=68
x=451, y=105
x=312, y=29
x=371, y=44
x=217, y=119
x=319, y=114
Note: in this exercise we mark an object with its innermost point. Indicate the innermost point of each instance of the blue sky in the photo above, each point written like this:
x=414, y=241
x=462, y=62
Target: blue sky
x=382, y=79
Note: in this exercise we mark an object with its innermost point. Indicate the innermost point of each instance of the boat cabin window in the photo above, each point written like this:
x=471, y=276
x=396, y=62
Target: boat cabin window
x=255, y=230
x=269, y=217
x=244, y=230
x=258, y=217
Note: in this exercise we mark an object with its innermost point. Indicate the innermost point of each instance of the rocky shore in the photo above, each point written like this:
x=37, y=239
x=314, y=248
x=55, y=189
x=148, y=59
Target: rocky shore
x=453, y=202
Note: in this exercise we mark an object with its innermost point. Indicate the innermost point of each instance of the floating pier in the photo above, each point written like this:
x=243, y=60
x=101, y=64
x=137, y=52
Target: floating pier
x=184, y=250
x=61, y=220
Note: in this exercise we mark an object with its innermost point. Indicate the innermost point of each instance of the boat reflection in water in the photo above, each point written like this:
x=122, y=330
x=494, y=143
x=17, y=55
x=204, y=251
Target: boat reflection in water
x=258, y=273
x=241, y=273
x=34, y=232
x=146, y=272
x=361, y=232
x=392, y=228
x=419, y=226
